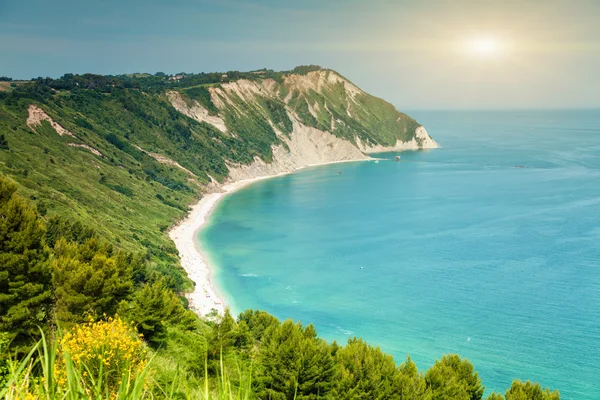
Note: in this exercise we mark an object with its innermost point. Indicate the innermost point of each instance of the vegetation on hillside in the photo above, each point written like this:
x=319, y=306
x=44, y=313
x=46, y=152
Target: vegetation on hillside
x=84, y=251
x=106, y=177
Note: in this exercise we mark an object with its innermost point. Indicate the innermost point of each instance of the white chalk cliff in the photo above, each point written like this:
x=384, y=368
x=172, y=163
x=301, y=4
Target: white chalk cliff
x=306, y=145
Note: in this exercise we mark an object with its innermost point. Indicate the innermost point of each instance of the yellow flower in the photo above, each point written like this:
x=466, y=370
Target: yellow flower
x=111, y=347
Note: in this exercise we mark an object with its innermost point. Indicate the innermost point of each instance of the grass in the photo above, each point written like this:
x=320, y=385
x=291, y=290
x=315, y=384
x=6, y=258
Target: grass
x=36, y=376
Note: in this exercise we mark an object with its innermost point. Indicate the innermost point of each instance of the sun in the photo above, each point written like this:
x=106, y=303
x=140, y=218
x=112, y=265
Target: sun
x=484, y=46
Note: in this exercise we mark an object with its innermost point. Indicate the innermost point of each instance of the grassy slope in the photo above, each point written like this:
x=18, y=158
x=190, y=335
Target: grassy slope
x=126, y=195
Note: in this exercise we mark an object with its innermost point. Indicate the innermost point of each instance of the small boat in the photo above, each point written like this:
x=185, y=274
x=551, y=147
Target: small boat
x=397, y=158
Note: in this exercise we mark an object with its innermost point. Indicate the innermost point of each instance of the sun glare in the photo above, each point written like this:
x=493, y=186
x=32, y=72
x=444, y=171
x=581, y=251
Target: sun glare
x=484, y=47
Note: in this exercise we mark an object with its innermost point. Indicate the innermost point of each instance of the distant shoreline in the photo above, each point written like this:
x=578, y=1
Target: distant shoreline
x=205, y=297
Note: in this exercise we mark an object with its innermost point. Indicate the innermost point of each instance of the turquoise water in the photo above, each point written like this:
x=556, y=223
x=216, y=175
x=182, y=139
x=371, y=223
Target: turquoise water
x=488, y=247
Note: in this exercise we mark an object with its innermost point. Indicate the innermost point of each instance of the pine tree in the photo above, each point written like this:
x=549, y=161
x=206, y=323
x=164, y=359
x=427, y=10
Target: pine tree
x=412, y=384
x=89, y=281
x=365, y=372
x=294, y=364
x=25, y=278
x=530, y=391
x=222, y=336
x=453, y=378
x=259, y=323
x=152, y=309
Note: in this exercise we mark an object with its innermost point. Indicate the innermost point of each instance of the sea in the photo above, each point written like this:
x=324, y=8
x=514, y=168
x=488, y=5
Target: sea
x=488, y=247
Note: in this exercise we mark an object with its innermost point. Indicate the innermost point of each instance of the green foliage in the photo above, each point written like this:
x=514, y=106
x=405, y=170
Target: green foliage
x=89, y=280
x=530, y=391
x=259, y=323
x=25, y=279
x=42, y=208
x=301, y=108
x=365, y=372
x=305, y=69
x=412, y=384
x=226, y=336
x=202, y=95
x=454, y=378
x=72, y=231
x=4, y=358
x=3, y=142
x=42, y=375
x=152, y=309
x=294, y=364
x=47, y=373
x=278, y=115
x=254, y=130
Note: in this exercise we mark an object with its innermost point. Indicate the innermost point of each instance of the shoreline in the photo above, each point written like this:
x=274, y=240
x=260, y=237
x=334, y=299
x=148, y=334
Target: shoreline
x=205, y=297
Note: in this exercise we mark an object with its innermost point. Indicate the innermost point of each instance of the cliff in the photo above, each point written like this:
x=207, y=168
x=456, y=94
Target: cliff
x=311, y=118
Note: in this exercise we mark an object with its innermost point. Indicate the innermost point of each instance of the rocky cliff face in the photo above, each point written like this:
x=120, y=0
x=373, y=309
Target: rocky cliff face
x=316, y=118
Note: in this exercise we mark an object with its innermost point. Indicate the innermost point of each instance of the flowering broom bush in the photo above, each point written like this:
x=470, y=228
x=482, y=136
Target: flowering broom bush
x=107, y=360
x=104, y=352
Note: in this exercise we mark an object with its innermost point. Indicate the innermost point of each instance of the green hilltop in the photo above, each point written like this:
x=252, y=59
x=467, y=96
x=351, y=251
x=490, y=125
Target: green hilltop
x=94, y=170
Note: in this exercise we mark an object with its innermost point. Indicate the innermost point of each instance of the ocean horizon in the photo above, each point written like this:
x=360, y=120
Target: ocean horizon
x=486, y=247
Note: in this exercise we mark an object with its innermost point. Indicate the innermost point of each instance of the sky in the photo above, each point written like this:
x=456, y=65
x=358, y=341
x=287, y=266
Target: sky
x=421, y=54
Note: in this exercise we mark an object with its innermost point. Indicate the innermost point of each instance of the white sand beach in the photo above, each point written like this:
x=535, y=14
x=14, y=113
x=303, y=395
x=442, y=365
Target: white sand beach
x=205, y=296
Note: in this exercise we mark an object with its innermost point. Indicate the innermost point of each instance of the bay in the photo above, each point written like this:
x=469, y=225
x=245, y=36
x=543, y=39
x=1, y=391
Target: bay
x=486, y=247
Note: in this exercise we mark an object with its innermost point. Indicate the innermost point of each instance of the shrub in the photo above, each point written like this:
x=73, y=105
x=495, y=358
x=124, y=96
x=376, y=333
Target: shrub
x=3, y=142
x=105, y=351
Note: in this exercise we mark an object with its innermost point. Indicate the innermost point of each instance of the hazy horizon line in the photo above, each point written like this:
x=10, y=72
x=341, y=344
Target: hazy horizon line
x=401, y=108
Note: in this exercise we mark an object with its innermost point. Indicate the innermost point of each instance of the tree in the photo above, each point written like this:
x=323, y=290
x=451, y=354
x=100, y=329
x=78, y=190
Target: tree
x=25, y=278
x=453, y=378
x=412, y=384
x=365, y=372
x=88, y=280
x=294, y=364
x=42, y=207
x=3, y=142
x=58, y=227
x=530, y=391
x=258, y=322
x=223, y=336
x=153, y=307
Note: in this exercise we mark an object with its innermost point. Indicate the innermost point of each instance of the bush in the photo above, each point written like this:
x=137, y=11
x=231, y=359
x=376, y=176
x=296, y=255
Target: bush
x=3, y=142
x=107, y=350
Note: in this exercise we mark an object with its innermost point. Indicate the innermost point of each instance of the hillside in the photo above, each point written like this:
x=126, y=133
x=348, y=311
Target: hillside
x=127, y=155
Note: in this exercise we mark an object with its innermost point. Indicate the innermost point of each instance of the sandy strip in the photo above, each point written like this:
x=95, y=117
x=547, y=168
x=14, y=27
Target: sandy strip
x=205, y=296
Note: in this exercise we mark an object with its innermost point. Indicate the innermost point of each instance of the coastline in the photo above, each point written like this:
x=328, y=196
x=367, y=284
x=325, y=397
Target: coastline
x=205, y=296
